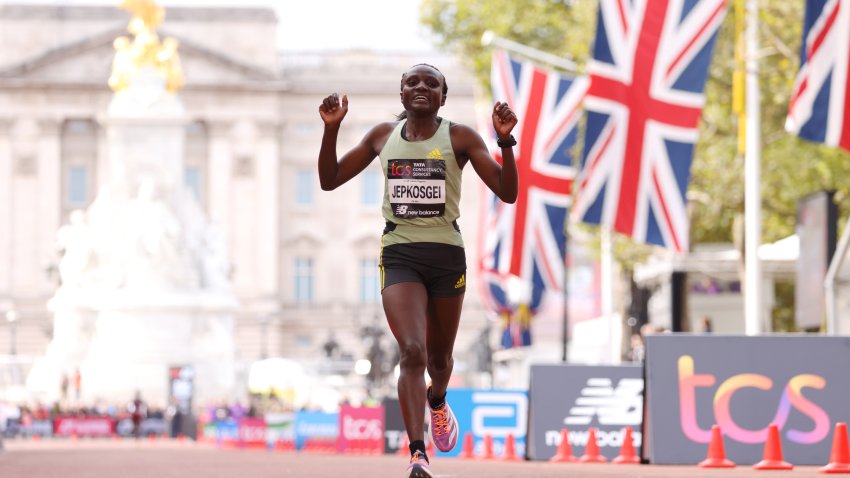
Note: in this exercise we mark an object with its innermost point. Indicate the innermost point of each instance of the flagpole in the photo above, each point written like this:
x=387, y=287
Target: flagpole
x=565, y=324
x=607, y=285
x=490, y=38
x=752, y=174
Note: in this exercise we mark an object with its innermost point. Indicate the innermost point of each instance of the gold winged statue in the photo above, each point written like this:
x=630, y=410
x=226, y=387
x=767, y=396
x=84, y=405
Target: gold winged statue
x=145, y=49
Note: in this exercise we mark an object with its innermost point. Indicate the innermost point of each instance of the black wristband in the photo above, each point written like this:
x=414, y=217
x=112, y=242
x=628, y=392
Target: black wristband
x=506, y=143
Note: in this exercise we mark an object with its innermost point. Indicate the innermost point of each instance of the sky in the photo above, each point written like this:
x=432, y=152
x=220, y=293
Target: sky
x=314, y=25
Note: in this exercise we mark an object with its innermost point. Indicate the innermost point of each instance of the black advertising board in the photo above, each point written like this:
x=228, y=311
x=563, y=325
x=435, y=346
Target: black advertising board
x=578, y=397
x=394, y=430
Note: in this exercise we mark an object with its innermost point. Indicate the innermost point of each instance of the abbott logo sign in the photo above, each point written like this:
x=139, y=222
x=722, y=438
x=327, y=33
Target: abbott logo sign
x=577, y=397
x=493, y=413
x=499, y=414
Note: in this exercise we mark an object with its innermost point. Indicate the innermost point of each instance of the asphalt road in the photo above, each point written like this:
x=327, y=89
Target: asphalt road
x=172, y=459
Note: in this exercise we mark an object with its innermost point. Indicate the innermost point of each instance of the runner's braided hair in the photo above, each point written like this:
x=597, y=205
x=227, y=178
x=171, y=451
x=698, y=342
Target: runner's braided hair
x=403, y=114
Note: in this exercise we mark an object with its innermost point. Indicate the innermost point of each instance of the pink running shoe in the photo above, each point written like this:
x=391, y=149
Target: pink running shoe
x=418, y=467
x=443, y=426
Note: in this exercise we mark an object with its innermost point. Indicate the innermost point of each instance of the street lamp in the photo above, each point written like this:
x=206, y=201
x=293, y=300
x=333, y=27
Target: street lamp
x=12, y=318
x=264, y=336
x=518, y=294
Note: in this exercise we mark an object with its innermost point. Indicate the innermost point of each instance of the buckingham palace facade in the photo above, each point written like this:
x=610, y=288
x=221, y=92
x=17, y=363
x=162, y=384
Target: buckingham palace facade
x=303, y=261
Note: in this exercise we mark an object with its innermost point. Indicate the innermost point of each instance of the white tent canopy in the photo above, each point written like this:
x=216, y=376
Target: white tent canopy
x=721, y=260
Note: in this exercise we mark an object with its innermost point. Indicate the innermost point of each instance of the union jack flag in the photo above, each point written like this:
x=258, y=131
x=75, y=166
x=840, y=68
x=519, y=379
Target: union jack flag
x=820, y=103
x=649, y=66
x=525, y=241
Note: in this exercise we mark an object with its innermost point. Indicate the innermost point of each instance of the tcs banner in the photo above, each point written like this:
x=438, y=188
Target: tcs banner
x=361, y=430
x=743, y=384
x=489, y=412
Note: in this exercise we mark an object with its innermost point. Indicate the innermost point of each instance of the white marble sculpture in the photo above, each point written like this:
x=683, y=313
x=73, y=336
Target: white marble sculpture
x=144, y=274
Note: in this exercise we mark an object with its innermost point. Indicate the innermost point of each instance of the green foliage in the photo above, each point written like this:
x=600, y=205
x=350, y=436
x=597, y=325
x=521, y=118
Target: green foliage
x=541, y=24
x=782, y=315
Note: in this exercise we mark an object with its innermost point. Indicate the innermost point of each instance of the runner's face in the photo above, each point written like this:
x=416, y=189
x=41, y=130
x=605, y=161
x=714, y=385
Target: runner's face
x=422, y=90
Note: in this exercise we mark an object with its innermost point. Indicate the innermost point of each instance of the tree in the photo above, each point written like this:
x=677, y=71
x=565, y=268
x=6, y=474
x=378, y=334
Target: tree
x=547, y=25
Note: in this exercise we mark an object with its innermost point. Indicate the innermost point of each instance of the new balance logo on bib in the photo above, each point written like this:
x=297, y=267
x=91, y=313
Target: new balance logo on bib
x=417, y=187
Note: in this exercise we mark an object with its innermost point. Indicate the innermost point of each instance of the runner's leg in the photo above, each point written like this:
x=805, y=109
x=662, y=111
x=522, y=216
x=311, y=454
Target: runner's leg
x=443, y=322
x=405, y=305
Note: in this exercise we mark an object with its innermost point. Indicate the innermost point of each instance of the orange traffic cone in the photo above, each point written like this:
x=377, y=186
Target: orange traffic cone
x=565, y=451
x=510, y=449
x=716, y=457
x=591, y=451
x=772, y=459
x=488, y=448
x=839, y=460
x=468, y=446
x=627, y=450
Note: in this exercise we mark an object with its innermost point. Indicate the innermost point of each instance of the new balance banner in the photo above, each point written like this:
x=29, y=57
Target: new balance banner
x=394, y=430
x=578, y=397
x=489, y=412
x=42, y=428
x=743, y=384
x=148, y=426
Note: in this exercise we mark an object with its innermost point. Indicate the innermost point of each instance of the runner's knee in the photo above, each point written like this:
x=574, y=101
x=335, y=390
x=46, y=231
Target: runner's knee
x=440, y=364
x=412, y=356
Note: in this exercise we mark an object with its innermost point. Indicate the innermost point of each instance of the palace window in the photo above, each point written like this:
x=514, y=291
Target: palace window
x=370, y=283
x=303, y=280
x=304, y=185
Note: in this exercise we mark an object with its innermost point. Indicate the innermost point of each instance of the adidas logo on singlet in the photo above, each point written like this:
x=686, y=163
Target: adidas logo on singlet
x=461, y=282
x=434, y=154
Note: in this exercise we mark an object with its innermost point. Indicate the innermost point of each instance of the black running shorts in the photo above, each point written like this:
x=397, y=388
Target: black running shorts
x=441, y=268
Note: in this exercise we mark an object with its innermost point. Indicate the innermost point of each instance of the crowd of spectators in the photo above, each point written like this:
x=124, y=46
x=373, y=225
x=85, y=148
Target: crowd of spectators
x=15, y=418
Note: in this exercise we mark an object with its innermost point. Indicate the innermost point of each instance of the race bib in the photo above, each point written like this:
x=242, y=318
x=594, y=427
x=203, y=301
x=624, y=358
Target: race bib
x=417, y=187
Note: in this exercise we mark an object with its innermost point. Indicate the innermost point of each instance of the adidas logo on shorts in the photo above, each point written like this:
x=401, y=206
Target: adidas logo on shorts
x=461, y=282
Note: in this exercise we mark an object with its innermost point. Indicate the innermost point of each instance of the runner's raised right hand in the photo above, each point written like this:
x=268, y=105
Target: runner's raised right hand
x=332, y=110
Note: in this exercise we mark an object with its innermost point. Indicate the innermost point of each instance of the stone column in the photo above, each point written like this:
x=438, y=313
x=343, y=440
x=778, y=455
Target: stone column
x=49, y=200
x=25, y=207
x=268, y=213
x=6, y=192
x=219, y=169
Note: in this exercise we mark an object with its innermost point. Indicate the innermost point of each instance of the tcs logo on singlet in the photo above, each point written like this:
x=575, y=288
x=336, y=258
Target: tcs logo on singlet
x=400, y=170
x=792, y=397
